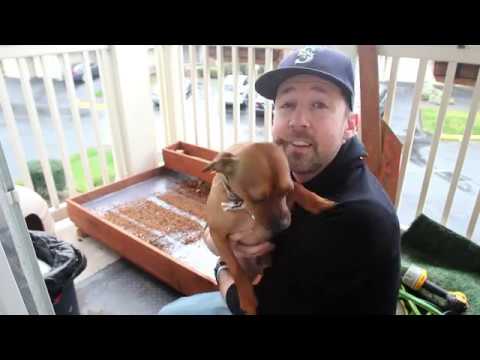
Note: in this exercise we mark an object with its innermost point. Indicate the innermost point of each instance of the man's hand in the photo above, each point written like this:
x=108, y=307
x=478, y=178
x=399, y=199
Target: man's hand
x=246, y=245
x=250, y=250
x=209, y=242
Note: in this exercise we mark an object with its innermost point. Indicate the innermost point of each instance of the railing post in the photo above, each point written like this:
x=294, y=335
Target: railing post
x=135, y=109
x=174, y=90
x=370, y=116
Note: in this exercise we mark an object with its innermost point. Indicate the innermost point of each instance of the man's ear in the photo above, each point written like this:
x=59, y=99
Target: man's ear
x=352, y=124
x=225, y=163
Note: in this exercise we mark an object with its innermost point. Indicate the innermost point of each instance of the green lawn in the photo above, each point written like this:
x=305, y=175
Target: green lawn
x=94, y=161
x=454, y=124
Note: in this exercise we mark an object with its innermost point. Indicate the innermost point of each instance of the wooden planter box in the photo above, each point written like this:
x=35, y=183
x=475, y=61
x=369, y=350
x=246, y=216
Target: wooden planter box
x=466, y=74
x=189, y=159
x=182, y=161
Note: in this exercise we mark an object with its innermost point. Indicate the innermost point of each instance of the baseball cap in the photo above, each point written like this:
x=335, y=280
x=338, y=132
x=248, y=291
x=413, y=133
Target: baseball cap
x=324, y=62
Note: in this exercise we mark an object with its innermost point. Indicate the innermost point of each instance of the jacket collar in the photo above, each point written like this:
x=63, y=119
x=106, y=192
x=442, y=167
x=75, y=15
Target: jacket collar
x=349, y=157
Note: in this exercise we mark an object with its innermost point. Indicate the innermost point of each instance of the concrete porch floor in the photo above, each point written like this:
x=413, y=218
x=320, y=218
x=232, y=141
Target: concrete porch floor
x=98, y=255
x=111, y=285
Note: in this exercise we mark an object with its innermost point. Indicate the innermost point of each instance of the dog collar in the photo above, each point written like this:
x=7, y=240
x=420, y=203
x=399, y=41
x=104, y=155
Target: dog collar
x=235, y=202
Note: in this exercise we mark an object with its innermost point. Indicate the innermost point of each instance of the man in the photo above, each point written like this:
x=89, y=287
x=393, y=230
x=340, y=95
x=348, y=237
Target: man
x=346, y=260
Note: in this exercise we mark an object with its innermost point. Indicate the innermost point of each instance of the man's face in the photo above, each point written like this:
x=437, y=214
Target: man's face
x=310, y=123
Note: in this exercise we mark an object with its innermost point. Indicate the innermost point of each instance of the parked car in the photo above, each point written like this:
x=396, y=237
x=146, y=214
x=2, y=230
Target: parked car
x=383, y=90
x=260, y=103
x=78, y=72
x=156, y=97
x=229, y=94
x=188, y=87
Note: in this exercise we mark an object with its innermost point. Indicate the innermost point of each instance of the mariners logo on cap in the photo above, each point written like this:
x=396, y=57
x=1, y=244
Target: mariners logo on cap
x=305, y=55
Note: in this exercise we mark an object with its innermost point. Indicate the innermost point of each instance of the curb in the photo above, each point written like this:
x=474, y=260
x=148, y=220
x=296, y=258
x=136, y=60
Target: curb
x=448, y=137
x=458, y=137
x=86, y=105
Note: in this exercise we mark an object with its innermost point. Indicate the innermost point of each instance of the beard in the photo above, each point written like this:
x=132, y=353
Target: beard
x=305, y=161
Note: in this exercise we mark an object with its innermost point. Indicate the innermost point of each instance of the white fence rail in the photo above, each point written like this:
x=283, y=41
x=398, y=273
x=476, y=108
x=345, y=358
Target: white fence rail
x=44, y=72
x=212, y=100
x=441, y=205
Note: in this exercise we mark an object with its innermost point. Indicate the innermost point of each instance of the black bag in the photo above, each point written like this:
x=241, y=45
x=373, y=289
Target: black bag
x=65, y=260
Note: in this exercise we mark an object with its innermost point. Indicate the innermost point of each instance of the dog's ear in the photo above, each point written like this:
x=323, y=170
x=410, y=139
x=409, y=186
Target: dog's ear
x=225, y=163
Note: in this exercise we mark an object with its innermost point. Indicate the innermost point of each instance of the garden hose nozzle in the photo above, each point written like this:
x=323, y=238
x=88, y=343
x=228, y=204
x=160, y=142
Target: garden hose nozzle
x=416, y=278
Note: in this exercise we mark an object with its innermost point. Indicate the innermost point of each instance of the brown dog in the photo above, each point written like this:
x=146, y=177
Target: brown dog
x=253, y=188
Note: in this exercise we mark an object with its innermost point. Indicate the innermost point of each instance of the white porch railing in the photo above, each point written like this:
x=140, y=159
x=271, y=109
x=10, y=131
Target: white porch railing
x=442, y=199
x=137, y=132
x=26, y=64
x=107, y=105
x=201, y=119
x=205, y=123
